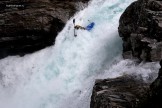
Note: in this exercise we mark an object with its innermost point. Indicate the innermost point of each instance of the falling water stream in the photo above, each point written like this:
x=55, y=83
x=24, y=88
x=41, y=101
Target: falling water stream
x=63, y=75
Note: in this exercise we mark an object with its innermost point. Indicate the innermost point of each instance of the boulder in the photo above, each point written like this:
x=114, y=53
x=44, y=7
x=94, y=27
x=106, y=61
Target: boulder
x=122, y=92
x=142, y=20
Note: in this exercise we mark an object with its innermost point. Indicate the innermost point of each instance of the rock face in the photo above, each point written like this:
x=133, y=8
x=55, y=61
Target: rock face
x=122, y=92
x=156, y=91
x=140, y=27
x=29, y=25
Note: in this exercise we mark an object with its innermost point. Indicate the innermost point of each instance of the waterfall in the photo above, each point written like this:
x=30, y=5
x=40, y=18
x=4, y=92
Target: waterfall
x=62, y=76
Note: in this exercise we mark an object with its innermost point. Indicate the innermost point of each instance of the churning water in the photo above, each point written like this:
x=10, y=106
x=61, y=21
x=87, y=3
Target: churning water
x=62, y=76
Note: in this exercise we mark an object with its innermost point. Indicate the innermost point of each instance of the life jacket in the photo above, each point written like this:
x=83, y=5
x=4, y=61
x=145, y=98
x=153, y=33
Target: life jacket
x=79, y=27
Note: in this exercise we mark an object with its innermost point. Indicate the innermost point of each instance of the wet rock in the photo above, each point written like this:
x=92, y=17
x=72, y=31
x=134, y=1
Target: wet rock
x=141, y=30
x=121, y=92
x=142, y=20
x=155, y=5
x=30, y=25
x=156, y=91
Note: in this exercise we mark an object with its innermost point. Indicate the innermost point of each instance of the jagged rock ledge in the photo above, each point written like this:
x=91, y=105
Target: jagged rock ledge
x=122, y=92
x=140, y=27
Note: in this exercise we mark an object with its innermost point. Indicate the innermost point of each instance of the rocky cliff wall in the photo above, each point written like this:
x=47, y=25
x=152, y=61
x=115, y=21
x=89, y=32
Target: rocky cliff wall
x=121, y=92
x=140, y=27
x=141, y=30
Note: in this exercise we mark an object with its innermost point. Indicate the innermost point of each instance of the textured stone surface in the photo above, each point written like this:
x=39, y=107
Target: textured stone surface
x=156, y=91
x=140, y=27
x=121, y=92
x=141, y=30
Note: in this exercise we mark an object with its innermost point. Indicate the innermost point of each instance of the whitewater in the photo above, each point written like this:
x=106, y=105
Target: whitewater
x=63, y=75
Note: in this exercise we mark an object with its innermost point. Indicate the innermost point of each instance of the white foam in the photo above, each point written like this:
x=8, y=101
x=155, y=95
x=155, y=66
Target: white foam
x=62, y=76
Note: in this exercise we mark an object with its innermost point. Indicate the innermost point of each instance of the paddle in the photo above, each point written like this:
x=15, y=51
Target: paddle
x=74, y=27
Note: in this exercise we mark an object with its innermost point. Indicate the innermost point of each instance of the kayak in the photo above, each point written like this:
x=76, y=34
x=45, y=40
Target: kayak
x=90, y=26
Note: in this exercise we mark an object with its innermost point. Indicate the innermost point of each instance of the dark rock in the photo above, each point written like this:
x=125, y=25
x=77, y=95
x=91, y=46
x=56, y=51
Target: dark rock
x=140, y=27
x=156, y=91
x=121, y=92
x=140, y=23
x=30, y=25
x=141, y=30
x=155, y=5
